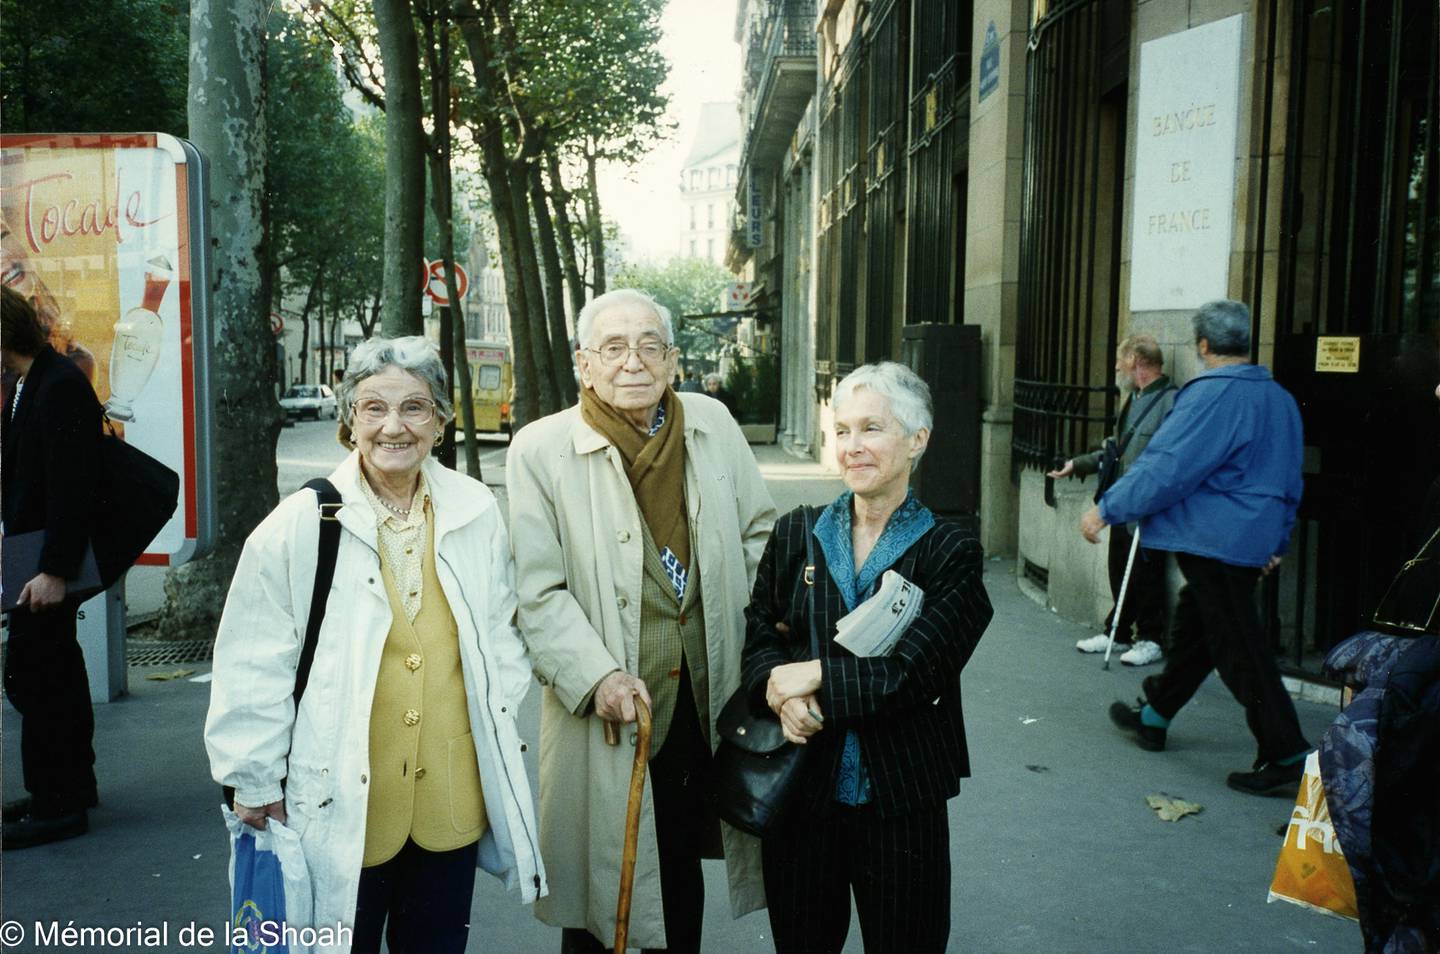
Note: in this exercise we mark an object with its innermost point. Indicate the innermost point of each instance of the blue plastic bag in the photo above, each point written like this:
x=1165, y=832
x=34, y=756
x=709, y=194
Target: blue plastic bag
x=270, y=899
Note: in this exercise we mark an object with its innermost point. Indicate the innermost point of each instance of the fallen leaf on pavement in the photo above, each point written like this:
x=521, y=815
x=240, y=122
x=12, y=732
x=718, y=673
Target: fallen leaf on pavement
x=167, y=676
x=1172, y=809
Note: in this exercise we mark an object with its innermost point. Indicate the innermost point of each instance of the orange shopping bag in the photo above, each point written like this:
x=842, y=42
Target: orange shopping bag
x=1311, y=871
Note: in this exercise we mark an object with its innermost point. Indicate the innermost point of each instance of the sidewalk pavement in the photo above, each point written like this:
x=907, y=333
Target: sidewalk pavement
x=1053, y=846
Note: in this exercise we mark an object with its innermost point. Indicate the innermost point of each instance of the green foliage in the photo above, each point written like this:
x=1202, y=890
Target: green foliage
x=314, y=153
x=355, y=254
x=686, y=286
x=94, y=65
x=755, y=382
x=593, y=71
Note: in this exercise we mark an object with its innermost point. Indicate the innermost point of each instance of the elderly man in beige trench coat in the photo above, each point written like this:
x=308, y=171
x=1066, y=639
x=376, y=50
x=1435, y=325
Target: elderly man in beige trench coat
x=637, y=521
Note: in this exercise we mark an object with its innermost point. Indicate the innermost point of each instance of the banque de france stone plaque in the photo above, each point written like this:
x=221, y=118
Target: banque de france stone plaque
x=1187, y=118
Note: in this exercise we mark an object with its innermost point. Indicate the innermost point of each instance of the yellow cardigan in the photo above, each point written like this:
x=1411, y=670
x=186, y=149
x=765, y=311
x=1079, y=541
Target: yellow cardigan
x=424, y=780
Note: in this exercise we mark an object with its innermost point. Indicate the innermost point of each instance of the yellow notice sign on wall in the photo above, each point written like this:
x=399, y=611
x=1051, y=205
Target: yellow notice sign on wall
x=1337, y=355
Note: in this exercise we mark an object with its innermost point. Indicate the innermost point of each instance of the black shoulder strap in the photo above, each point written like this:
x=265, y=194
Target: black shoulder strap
x=329, y=506
x=1135, y=428
x=810, y=565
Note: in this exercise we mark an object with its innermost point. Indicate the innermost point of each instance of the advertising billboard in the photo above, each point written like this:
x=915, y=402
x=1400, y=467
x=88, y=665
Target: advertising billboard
x=104, y=233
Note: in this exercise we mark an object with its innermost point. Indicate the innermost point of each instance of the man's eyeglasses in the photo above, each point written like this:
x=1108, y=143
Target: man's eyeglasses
x=411, y=411
x=618, y=352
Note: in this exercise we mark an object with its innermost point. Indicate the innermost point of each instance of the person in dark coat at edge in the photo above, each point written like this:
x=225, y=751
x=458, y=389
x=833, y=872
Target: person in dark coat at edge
x=52, y=424
x=1380, y=758
x=1219, y=487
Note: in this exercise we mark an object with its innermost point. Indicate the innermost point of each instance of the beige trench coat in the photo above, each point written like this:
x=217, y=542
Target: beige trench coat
x=575, y=531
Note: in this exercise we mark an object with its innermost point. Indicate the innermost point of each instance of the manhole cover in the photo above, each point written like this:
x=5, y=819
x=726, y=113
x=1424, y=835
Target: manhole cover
x=150, y=652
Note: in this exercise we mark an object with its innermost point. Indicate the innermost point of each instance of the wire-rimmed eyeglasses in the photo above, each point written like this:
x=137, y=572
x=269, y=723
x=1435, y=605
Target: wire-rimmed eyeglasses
x=618, y=352
x=411, y=410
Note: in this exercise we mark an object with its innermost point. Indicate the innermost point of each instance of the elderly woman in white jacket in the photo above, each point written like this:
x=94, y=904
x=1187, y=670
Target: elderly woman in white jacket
x=402, y=770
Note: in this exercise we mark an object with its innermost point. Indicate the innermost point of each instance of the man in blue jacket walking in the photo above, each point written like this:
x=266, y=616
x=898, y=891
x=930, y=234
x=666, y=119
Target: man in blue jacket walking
x=1219, y=486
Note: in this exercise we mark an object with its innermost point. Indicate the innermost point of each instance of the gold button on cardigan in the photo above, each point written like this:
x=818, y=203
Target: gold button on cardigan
x=426, y=784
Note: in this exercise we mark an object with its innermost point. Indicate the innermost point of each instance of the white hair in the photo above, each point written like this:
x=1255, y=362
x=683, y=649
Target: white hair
x=414, y=353
x=908, y=394
x=585, y=323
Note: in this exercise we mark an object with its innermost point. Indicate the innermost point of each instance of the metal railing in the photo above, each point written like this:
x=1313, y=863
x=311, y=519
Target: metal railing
x=790, y=33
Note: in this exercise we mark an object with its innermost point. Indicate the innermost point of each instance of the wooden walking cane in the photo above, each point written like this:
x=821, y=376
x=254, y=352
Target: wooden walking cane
x=632, y=817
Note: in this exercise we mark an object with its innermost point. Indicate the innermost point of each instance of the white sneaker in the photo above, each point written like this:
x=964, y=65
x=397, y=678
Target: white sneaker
x=1143, y=653
x=1098, y=642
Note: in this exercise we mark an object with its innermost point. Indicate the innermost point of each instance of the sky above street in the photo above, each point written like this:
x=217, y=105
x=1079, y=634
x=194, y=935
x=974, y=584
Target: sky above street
x=699, y=42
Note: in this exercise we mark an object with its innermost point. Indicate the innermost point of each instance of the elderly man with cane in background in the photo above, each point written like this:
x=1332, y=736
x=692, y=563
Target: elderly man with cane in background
x=1219, y=486
x=1149, y=396
x=637, y=522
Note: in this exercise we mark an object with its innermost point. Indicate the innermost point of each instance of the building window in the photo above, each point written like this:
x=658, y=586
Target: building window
x=710, y=213
x=710, y=249
x=693, y=249
x=714, y=178
x=692, y=218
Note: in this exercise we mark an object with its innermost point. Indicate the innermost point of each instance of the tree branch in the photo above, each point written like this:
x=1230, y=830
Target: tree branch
x=370, y=86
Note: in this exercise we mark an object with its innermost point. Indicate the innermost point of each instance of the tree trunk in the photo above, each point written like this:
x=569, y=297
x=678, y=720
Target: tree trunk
x=529, y=265
x=554, y=292
x=593, y=224
x=404, y=170
x=452, y=324
x=564, y=230
x=305, y=322
x=527, y=149
x=368, y=327
x=227, y=122
x=488, y=134
x=322, y=364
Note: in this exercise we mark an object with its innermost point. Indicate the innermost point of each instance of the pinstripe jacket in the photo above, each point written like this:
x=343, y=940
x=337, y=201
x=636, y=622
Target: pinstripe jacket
x=904, y=707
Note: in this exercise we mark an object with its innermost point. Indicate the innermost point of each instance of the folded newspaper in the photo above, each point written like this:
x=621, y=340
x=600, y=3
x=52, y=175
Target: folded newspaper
x=874, y=626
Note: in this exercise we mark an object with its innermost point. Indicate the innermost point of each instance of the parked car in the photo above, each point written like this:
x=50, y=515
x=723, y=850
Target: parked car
x=308, y=400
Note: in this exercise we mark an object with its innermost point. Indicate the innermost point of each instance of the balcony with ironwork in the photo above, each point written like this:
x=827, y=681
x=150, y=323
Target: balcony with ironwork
x=779, y=79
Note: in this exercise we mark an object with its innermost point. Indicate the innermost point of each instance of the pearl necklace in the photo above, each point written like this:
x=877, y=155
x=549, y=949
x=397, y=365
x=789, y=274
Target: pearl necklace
x=392, y=508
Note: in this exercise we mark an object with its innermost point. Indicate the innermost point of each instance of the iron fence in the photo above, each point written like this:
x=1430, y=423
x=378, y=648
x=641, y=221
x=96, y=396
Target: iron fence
x=1070, y=231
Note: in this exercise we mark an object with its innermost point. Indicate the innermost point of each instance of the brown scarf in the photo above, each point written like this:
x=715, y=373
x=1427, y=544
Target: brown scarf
x=655, y=466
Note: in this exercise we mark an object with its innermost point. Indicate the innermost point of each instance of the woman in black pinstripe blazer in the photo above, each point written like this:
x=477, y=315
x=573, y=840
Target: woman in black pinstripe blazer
x=886, y=733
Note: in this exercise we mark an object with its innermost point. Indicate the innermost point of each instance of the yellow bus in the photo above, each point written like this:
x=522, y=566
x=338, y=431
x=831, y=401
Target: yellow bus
x=490, y=386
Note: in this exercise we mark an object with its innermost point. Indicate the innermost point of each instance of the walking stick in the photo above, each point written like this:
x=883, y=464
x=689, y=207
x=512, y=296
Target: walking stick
x=1120, y=600
x=632, y=823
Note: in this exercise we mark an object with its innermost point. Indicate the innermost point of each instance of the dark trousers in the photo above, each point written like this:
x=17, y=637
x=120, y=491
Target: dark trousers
x=1217, y=627
x=420, y=899
x=1144, y=609
x=45, y=680
x=898, y=868
x=684, y=829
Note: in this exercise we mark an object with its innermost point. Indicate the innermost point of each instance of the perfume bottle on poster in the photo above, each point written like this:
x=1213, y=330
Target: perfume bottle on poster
x=138, y=337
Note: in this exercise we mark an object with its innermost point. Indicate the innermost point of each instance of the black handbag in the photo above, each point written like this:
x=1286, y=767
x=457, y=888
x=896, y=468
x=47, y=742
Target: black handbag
x=136, y=497
x=755, y=769
x=328, y=502
x=1108, y=467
